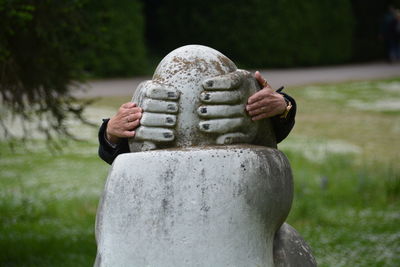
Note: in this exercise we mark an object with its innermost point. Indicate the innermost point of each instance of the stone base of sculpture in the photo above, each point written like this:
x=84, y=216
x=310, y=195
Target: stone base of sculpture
x=214, y=206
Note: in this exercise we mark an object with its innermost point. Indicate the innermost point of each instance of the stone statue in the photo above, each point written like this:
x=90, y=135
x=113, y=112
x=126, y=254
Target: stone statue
x=206, y=186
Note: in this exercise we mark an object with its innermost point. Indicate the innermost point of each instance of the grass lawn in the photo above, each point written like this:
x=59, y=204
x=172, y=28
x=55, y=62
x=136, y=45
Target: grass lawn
x=344, y=152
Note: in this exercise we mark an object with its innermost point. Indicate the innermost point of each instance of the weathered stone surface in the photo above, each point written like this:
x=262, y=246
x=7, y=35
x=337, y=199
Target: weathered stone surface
x=197, y=97
x=290, y=249
x=215, y=206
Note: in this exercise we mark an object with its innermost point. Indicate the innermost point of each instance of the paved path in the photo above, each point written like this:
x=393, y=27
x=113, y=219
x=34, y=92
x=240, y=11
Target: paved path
x=276, y=77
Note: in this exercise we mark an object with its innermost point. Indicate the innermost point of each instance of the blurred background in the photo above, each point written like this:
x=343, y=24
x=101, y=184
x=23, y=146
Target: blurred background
x=129, y=38
x=62, y=62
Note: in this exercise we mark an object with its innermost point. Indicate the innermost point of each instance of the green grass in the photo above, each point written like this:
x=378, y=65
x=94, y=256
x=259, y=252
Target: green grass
x=349, y=213
x=345, y=165
x=48, y=205
x=344, y=152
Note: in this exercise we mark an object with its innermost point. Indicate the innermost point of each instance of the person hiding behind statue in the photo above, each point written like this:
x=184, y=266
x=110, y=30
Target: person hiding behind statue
x=265, y=103
x=390, y=34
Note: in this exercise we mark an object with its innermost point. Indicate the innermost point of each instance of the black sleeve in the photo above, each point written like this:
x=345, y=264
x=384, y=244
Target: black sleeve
x=283, y=126
x=106, y=151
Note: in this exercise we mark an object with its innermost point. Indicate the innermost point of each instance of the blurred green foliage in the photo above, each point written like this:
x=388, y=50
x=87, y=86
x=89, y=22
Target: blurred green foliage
x=38, y=61
x=46, y=46
x=116, y=46
x=62, y=38
x=108, y=39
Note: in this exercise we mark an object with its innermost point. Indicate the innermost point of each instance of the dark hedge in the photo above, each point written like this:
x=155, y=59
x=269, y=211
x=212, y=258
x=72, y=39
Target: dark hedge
x=367, y=44
x=258, y=33
x=116, y=45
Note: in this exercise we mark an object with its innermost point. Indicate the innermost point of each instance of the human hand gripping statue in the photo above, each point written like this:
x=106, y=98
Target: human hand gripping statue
x=224, y=96
x=267, y=102
x=122, y=124
x=223, y=110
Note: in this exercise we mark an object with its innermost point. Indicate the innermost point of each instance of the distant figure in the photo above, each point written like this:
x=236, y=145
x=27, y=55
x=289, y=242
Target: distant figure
x=390, y=33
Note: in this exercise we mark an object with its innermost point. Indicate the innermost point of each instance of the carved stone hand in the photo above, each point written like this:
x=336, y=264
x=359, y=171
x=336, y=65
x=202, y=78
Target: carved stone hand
x=159, y=104
x=223, y=109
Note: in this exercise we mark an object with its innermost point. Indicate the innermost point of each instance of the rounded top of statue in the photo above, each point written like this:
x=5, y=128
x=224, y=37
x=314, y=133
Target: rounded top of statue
x=196, y=97
x=192, y=64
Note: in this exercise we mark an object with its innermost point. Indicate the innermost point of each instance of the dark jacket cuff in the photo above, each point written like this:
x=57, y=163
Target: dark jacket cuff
x=283, y=126
x=107, y=152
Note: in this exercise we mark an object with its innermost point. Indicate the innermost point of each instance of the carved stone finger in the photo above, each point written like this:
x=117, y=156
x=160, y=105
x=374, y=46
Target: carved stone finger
x=222, y=97
x=154, y=134
x=221, y=111
x=221, y=125
x=140, y=92
x=163, y=93
x=153, y=105
x=226, y=82
x=234, y=138
x=158, y=119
